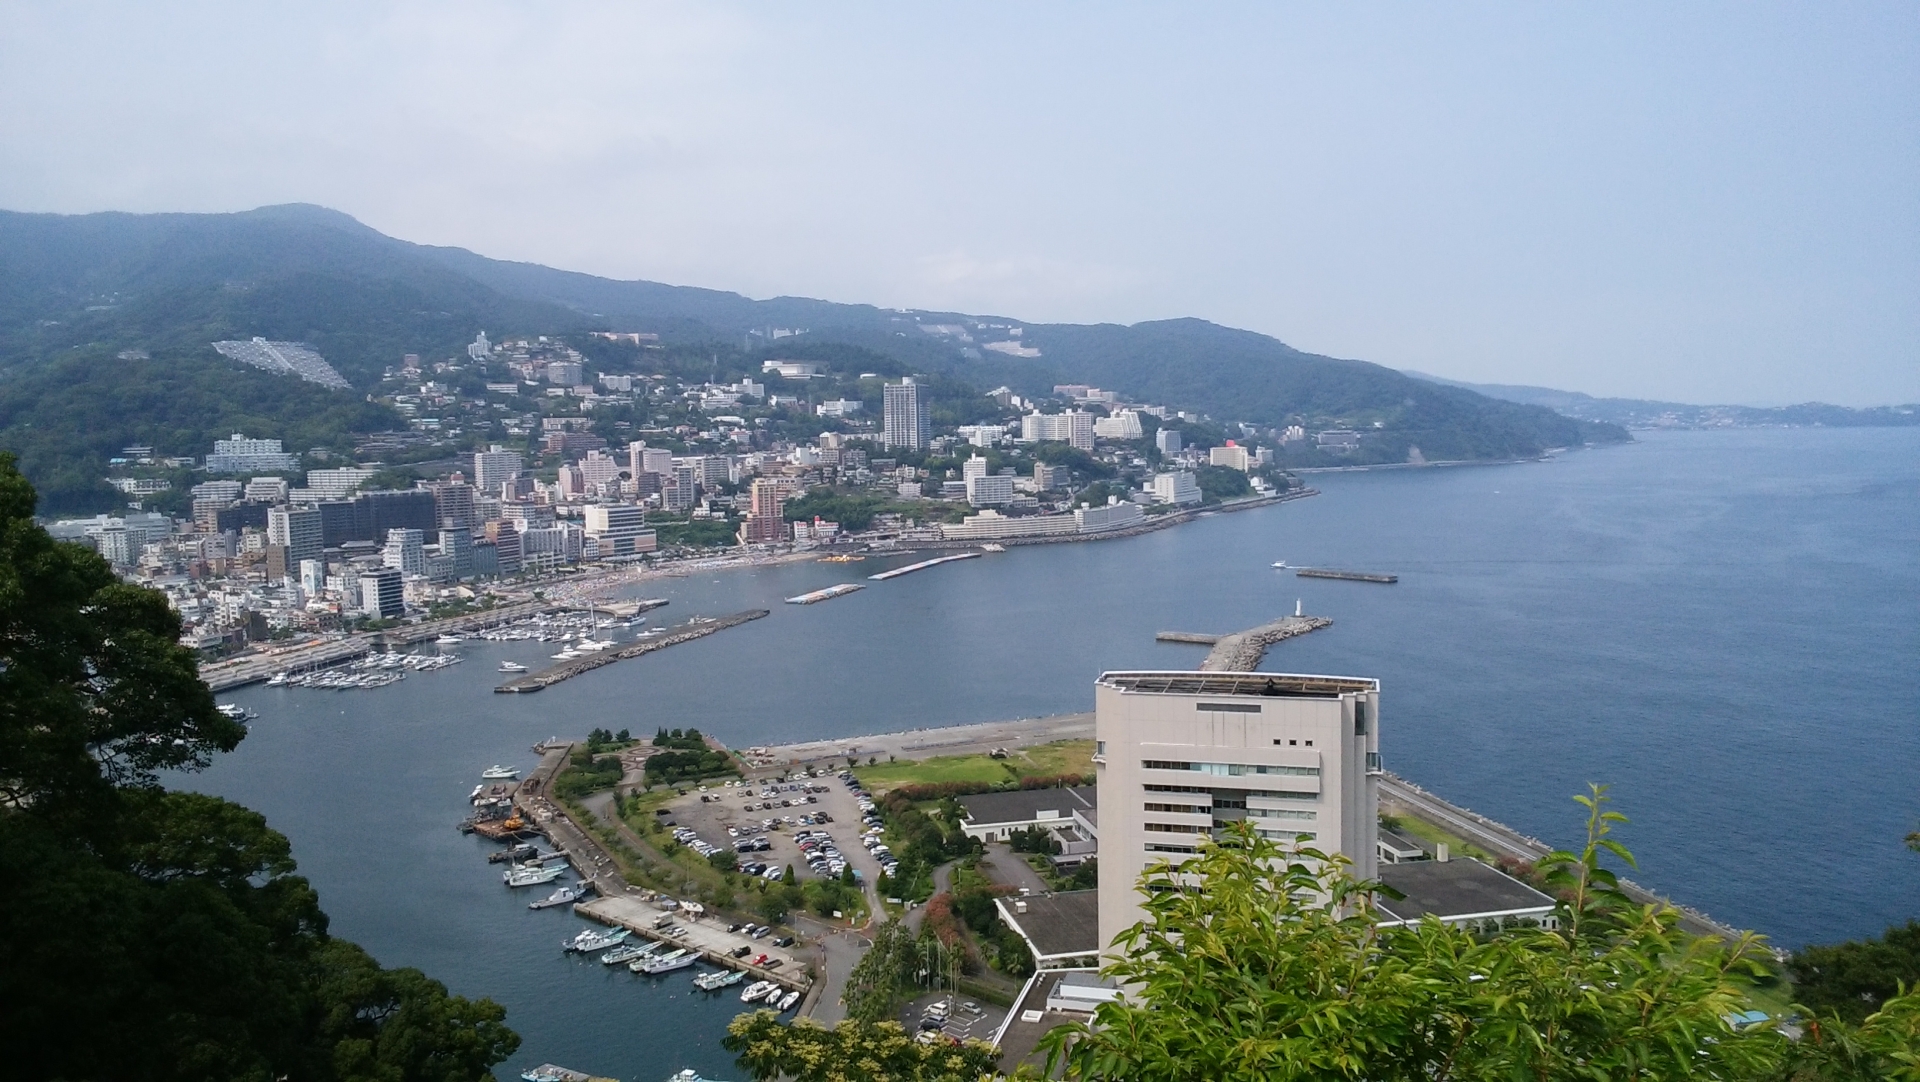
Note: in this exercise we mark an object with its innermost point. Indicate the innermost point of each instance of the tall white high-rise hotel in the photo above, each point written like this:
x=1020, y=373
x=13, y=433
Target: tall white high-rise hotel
x=905, y=420
x=1181, y=754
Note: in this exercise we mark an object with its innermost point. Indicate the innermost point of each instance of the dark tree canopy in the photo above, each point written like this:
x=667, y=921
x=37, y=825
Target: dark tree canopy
x=164, y=935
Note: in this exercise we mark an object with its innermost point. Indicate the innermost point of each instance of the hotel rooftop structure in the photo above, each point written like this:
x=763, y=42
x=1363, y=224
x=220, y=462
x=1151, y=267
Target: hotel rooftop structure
x=1179, y=755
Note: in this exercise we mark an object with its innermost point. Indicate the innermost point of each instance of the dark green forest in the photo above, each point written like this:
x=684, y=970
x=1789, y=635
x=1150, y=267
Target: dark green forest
x=163, y=935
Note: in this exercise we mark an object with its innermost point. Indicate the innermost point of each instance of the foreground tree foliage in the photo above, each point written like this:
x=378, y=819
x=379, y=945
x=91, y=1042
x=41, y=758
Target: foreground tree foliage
x=849, y=1052
x=162, y=935
x=1256, y=961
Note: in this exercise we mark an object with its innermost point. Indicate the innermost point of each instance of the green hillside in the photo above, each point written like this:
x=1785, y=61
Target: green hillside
x=77, y=292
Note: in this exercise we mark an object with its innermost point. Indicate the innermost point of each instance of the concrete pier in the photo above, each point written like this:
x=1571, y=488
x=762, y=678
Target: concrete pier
x=698, y=627
x=1193, y=638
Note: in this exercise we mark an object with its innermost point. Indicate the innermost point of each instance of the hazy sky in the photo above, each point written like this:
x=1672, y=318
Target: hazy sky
x=1695, y=202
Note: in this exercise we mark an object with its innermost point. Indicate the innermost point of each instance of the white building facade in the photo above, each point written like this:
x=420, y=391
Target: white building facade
x=1180, y=755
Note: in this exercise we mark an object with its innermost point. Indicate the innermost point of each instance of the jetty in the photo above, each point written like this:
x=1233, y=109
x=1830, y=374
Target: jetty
x=1242, y=651
x=828, y=594
x=1349, y=576
x=697, y=627
x=923, y=565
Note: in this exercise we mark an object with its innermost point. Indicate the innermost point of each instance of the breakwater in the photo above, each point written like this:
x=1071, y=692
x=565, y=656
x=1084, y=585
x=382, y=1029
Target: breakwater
x=1242, y=651
x=1348, y=576
x=698, y=627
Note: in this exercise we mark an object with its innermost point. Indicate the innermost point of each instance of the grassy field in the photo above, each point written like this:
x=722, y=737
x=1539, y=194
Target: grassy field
x=1060, y=757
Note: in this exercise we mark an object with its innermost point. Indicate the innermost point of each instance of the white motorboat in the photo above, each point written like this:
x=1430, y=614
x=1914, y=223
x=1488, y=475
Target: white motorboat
x=500, y=773
x=666, y=963
x=787, y=1001
x=752, y=993
x=596, y=939
x=531, y=875
x=277, y=680
x=1280, y=565
x=450, y=640
x=626, y=952
x=512, y=666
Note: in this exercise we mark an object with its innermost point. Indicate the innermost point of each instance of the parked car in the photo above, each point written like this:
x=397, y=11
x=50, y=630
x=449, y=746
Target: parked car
x=784, y=941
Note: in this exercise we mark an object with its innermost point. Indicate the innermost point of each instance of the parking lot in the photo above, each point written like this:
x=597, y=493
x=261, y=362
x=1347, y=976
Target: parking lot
x=952, y=1015
x=817, y=825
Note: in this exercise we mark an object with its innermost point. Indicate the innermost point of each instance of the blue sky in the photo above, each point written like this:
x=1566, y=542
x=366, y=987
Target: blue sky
x=1703, y=202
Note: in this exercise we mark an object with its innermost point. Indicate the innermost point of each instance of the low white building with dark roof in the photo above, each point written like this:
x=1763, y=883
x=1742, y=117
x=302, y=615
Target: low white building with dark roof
x=991, y=817
x=1062, y=930
x=1459, y=892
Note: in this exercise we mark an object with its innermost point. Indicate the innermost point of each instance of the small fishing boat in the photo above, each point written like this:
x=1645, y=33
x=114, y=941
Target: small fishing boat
x=713, y=982
x=512, y=666
x=531, y=875
x=626, y=952
x=666, y=963
x=563, y=896
x=594, y=939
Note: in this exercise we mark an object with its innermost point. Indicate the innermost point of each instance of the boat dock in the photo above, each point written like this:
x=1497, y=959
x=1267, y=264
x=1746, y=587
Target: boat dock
x=1349, y=576
x=1242, y=651
x=621, y=904
x=828, y=594
x=697, y=627
x=923, y=565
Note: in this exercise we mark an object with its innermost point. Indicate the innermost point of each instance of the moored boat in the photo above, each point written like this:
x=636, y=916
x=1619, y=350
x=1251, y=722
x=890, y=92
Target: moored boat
x=500, y=773
x=512, y=666
x=627, y=952
x=713, y=982
x=666, y=963
x=531, y=875
x=787, y=1001
x=754, y=992
x=563, y=896
x=596, y=939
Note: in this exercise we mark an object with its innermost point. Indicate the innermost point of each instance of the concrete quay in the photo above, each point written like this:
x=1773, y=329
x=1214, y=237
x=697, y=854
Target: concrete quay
x=622, y=904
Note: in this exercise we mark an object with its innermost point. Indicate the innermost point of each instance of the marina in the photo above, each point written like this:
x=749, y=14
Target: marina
x=828, y=594
x=697, y=627
x=923, y=565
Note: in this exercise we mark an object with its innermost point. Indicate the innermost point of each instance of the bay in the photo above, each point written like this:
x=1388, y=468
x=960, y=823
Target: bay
x=1723, y=626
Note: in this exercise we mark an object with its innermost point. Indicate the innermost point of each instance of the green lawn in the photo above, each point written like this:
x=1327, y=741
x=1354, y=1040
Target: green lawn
x=1060, y=757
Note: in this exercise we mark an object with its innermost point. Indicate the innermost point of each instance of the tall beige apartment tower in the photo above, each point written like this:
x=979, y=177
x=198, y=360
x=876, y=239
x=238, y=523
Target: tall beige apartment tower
x=1180, y=754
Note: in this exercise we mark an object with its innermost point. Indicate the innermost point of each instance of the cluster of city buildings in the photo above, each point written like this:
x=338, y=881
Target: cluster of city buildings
x=266, y=547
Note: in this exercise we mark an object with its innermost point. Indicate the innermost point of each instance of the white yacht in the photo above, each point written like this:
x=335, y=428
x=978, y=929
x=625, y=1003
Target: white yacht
x=500, y=773
x=450, y=640
x=512, y=666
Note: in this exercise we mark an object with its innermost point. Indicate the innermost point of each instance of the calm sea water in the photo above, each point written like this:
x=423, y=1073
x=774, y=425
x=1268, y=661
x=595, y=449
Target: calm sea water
x=1724, y=626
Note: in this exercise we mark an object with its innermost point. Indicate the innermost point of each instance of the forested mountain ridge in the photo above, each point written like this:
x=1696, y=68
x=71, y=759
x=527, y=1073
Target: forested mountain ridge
x=106, y=322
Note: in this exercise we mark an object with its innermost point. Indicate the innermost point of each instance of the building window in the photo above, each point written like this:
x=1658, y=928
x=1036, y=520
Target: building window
x=1218, y=802
x=1233, y=770
x=1360, y=718
x=1373, y=760
x=1175, y=828
x=1184, y=809
x=1230, y=708
x=1280, y=813
x=1175, y=789
x=1156, y=847
x=1099, y=747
